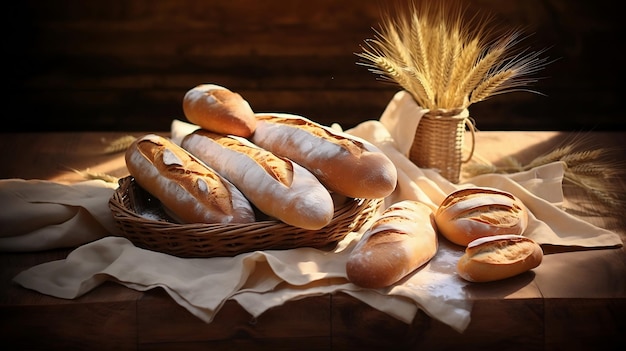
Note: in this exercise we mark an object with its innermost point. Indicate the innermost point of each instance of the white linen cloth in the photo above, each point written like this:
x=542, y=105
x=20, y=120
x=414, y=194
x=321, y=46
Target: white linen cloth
x=261, y=280
x=39, y=214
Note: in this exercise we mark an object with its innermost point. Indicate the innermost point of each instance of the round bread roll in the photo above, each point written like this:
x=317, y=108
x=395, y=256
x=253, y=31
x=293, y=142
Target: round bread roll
x=398, y=242
x=217, y=109
x=472, y=213
x=190, y=191
x=499, y=257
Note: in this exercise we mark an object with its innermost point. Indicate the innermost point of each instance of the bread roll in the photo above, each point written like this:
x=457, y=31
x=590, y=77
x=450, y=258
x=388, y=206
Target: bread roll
x=498, y=257
x=277, y=186
x=343, y=163
x=472, y=213
x=401, y=240
x=189, y=190
x=220, y=110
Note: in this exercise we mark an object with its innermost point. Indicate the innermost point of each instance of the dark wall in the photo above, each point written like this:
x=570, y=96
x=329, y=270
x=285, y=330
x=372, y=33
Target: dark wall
x=126, y=64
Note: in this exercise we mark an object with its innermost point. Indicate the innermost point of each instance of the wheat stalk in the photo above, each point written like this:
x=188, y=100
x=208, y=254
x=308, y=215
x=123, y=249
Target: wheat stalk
x=119, y=144
x=489, y=86
x=445, y=62
x=92, y=175
x=552, y=156
x=594, y=170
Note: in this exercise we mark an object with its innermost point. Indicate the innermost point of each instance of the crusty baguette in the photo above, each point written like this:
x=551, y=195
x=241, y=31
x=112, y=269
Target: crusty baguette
x=187, y=188
x=216, y=108
x=343, y=163
x=277, y=186
x=472, y=213
x=401, y=240
x=498, y=257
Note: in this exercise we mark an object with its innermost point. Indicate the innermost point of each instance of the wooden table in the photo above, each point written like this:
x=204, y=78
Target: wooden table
x=571, y=302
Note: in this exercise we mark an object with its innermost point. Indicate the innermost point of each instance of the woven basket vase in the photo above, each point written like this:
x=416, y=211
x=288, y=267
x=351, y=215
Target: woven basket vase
x=213, y=240
x=439, y=140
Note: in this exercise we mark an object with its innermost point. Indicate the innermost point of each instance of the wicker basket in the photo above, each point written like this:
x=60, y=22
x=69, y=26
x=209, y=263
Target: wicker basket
x=438, y=142
x=155, y=232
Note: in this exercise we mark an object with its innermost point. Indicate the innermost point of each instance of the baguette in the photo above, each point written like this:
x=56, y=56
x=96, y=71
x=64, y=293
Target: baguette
x=189, y=191
x=277, y=186
x=220, y=110
x=401, y=240
x=472, y=213
x=343, y=163
x=499, y=257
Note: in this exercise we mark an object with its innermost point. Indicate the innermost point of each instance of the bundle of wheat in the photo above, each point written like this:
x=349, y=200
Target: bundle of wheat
x=447, y=61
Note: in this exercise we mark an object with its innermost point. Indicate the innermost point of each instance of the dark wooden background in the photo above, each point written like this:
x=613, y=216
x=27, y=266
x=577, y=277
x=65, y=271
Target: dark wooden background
x=126, y=64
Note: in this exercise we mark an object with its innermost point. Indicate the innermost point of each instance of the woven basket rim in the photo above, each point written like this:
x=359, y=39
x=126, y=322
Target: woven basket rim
x=453, y=114
x=230, y=239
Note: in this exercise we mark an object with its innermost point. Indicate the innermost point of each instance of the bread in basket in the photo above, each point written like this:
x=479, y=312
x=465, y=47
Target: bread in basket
x=141, y=219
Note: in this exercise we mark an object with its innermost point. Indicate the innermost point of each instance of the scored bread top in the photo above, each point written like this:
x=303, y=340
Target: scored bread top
x=501, y=249
x=398, y=219
x=277, y=167
x=345, y=164
x=482, y=204
x=277, y=186
x=460, y=194
x=470, y=213
x=353, y=146
x=172, y=160
x=399, y=241
x=188, y=188
x=499, y=257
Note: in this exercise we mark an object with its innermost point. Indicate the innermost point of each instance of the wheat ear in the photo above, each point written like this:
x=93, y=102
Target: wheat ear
x=450, y=62
x=89, y=174
x=120, y=144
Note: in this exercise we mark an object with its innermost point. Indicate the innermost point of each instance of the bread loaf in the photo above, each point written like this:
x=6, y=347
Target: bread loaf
x=277, y=186
x=401, y=240
x=499, y=257
x=472, y=213
x=343, y=163
x=189, y=190
x=217, y=109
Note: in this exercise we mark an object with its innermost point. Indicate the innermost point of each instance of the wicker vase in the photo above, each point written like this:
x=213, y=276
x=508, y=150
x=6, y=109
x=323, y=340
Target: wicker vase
x=439, y=140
